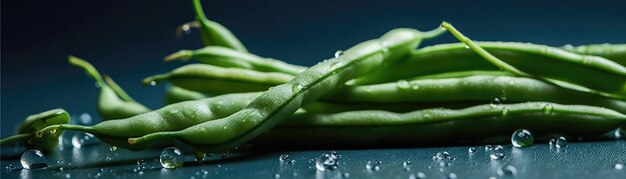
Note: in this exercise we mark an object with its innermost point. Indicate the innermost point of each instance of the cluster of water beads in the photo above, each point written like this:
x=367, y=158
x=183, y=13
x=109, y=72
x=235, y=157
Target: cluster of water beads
x=522, y=138
x=559, y=142
x=33, y=159
x=284, y=158
x=327, y=161
x=171, y=157
x=373, y=166
x=496, y=153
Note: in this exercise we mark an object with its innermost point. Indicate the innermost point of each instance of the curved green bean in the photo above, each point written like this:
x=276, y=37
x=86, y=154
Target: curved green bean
x=214, y=33
x=226, y=57
x=37, y=122
x=282, y=101
x=615, y=52
x=113, y=102
x=588, y=68
x=175, y=94
x=439, y=125
x=217, y=80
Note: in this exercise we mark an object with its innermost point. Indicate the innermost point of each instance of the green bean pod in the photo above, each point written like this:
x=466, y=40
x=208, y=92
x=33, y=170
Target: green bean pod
x=226, y=57
x=175, y=94
x=213, y=33
x=439, y=125
x=113, y=102
x=477, y=86
x=37, y=122
x=587, y=69
x=217, y=80
x=615, y=52
x=282, y=101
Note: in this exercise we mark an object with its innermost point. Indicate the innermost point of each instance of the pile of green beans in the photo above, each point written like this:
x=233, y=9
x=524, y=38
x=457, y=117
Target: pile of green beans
x=384, y=91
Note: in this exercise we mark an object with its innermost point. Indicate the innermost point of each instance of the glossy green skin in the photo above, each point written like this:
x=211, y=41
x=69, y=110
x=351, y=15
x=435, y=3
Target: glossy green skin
x=213, y=33
x=440, y=126
x=281, y=101
x=226, y=57
x=615, y=52
x=36, y=122
x=113, y=102
x=175, y=94
x=217, y=80
x=538, y=60
x=472, y=88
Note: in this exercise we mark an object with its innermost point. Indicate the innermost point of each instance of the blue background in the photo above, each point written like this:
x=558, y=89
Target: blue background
x=128, y=39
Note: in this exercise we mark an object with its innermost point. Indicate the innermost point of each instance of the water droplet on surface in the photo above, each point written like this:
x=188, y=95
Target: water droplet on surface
x=421, y=175
x=81, y=139
x=507, y=170
x=113, y=148
x=372, y=166
x=68, y=176
x=296, y=88
x=53, y=131
x=171, y=157
x=327, y=161
x=495, y=103
x=33, y=159
x=471, y=150
x=346, y=175
x=140, y=173
x=488, y=147
x=505, y=111
x=561, y=142
x=618, y=133
x=403, y=84
x=522, y=138
x=496, y=153
x=283, y=158
x=619, y=166
x=406, y=163
x=467, y=47
x=277, y=176
x=141, y=162
x=547, y=109
x=552, y=142
x=443, y=155
x=451, y=175
x=153, y=83
x=338, y=53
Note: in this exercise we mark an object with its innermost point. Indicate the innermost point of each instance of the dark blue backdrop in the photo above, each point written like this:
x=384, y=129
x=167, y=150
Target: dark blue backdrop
x=128, y=39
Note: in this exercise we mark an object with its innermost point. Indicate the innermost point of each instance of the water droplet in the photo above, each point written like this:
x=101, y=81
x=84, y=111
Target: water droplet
x=547, y=109
x=373, y=166
x=82, y=139
x=277, y=176
x=113, y=148
x=97, y=85
x=495, y=103
x=68, y=176
x=451, y=175
x=59, y=169
x=522, y=138
x=471, y=150
x=141, y=162
x=33, y=159
x=561, y=142
x=421, y=175
x=53, y=131
x=346, y=175
x=224, y=154
x=140, y=173
x=505, y=111
x=619, y=166
x=618, y=133
x=338, y=53
x=403, y=84
x=467, y=47
x=296, y=88
x=443, y=155
x=153, y=83
x=488, y=147
x=496, y=155
x=283, y=158
x=171, y=157
x=327, y=161
x=406, y=163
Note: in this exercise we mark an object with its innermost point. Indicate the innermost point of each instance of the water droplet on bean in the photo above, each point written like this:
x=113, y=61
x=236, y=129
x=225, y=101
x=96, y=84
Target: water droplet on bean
x=495, y=103
x=338, y=53
x=153, y=83
x=547, y=109
x=296, y=88
x=403, y=84
x=113, y=148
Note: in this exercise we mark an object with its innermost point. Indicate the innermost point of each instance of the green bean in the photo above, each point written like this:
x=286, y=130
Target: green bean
x=440, y=125
x=37, y=122
x=282, y=101
x=175, y=94
x=615, y=52
x=226, y=57
x=214, y=33
x=217, y=80
x=477, y=86
x=113, y=102
x=588, y=68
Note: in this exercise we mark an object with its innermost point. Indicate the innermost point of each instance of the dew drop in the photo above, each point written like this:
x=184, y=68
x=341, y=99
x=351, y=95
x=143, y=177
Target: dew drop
x=547, y=109
x=296, y=88
x=98, y=85
x=277, y=176
x=507, y=170
x=373, y=166
x=495, y=103
x=467, y=47
x=403, y=84
x=552, y=142
x=33, y=159
x=406, y=163
x=496, y=155
x=522, y=138
x=171, y=157
x=346, y=175
x=488, y=147
x=443, y=155
x=153, y=83
x=451, y=175
x=283, y=158
x=327, y=161
x=68, y=176
x=561, y=142
x=471, y=150
x=421, y=175
x=338, y=53
x=505, y=111
x=619, y=166
x=113, y=148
